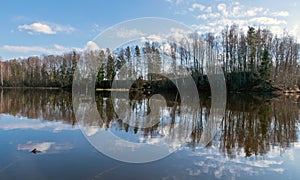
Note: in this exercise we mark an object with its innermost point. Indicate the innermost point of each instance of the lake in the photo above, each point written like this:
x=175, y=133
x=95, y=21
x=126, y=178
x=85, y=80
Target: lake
x=43, y=137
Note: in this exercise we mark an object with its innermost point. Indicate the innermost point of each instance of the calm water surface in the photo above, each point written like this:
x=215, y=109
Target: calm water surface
x=258, y=138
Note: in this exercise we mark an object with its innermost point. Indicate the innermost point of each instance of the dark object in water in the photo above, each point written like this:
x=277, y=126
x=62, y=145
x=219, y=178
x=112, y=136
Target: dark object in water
x=34, y=151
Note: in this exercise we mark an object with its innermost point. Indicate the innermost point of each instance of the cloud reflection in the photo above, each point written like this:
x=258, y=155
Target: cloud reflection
x=8, y=122
x=212, y=161
x=45, y=147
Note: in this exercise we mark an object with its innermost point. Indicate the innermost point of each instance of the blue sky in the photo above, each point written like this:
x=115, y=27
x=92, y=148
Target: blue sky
x=35, y=27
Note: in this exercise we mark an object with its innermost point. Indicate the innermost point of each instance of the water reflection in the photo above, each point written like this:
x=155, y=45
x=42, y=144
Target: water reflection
x=252, y=126
x=47, y=105
x=44, y=147
x=258, y=125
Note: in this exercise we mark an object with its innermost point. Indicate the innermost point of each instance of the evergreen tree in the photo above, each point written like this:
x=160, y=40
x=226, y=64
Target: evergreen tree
x=265, y=66
x=110, y=66
x=252, y=50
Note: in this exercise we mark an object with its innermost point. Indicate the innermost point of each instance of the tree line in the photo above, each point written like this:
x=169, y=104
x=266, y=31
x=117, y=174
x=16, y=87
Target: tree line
x=45, y=71
x=248, y=58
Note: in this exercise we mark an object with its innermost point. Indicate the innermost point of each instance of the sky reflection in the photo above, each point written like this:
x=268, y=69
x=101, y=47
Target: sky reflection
x=274, y=150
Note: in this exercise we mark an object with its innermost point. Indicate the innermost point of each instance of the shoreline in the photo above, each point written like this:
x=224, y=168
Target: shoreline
x=50, y=88
x=253, y=91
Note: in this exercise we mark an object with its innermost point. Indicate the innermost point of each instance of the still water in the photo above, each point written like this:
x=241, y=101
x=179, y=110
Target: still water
x=258, y=138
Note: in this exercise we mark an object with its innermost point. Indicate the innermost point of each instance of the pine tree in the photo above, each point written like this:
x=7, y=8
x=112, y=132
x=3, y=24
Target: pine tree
x=265, y=66
x=252, y=50
x=110, y=66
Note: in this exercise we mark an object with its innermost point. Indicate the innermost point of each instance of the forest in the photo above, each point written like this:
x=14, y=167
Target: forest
x=252, y=60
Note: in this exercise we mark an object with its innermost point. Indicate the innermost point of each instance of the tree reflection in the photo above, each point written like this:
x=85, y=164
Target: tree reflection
x=38, y=104
x=251, y=125
x=256, y=125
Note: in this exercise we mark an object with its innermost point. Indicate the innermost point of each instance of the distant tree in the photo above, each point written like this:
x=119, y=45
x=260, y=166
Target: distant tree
x=138, y=61
x=147, y=60
x=128, y=58
x=251, y=41
x=266, y=66
x=110, y=66
x=101, y=71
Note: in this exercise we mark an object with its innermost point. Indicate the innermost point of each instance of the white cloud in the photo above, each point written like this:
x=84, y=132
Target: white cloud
x=154, y=37
x=37, y=27
x=254, y=11
x=178, y=33
x=215, y=17
x=174, y=34
x=236, y=10
x=129, y=33
x=56, y=49
x=209, y=16
x=174, y=1
x=295, y=30
x=203, y=17
x=45, y=28
x=281, y=14
x=251, y=13
x=276, y=30
x=208, y=9
x=201, y=7
x=62, y=28
x=23, y=49
x=222, y=8
x=267, y=21
x=91, y=46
